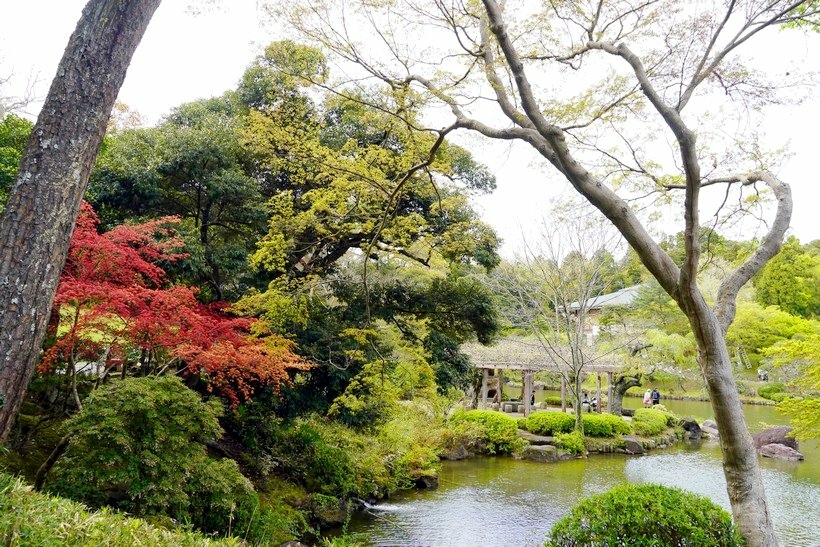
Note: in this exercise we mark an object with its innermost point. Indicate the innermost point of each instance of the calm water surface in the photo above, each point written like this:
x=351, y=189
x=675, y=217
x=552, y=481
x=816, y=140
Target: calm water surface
x=502, y=501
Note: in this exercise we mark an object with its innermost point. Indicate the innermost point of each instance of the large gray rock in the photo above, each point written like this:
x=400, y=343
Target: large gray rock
x=459, y=452
x=780, y=452
x=709, y=423
x=691, y=428
x=632, y=445
x=426, y=481
x=537, y=440
x=775, y=435
x=710, y=430
x=545, y=454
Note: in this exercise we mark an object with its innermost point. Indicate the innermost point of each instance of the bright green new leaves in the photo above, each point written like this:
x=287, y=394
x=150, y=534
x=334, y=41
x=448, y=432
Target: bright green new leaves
x=756, y=328
x=345, y=175
x=799, y=360
x=14, y=133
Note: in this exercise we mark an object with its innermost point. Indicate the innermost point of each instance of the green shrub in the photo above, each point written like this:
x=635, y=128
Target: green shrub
x=499, y=432
x=649, y=422
x=138, y=446
x=645, y=514
x=768, y=391
x=605, y=425
x=571, y=442
x=779, y=397
x=549, y=423
x=671, y=419
x=553, y=400
x=33, y=518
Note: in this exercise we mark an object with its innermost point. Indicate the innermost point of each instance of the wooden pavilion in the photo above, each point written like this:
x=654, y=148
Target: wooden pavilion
x=529, y=357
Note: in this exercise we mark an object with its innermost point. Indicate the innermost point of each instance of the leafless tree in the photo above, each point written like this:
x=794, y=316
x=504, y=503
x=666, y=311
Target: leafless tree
x=614, y=95
x=11, y=103
x=549, y=290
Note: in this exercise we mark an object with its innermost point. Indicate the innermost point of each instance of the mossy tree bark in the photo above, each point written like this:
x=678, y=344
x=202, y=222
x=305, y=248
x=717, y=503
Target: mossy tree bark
x=42, y=208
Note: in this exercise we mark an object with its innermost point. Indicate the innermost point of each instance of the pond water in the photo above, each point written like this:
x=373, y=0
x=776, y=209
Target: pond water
x=502, y=501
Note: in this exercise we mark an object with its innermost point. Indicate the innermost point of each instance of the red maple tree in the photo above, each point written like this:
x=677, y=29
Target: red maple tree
x=116, y=308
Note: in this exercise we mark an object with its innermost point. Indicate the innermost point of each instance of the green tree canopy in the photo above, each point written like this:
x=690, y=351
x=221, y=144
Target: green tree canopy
x=14, y=133
x=791, y=280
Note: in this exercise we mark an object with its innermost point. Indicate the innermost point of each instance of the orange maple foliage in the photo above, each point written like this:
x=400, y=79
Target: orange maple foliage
x=121, y=304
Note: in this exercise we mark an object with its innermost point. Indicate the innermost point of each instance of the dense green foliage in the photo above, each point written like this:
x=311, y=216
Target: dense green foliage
x=339, y=462
x=14, y=134
x=798, y=360
x=756, y=328
x=649, y=422
x=605, y=425
x=557, y=423
x=553, y=400
x=32, y=518
x=646, y=514
x=498, y=433
x=138, y=446
x=791, y=280
x=572, y=442
x=774, y=391
x=549, y=423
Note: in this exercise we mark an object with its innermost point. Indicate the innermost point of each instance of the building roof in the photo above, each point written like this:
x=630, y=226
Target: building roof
x=516, y=353
x=624, y=297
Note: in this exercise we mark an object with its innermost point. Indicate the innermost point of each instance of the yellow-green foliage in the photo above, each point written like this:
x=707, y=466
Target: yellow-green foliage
x=549, y=423
x=571, y=442
x=648, y=421
x=498, y=433
x=336, y=461
x=805, y=416
x=605, y=425
x=33, y=519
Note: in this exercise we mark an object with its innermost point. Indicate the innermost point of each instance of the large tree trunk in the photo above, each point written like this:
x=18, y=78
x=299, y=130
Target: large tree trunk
x=619, y=388
x=42, y=209
x=743, y=479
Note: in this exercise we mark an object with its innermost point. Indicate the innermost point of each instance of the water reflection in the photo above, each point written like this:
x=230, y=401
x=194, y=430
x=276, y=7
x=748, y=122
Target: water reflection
x=501, y=501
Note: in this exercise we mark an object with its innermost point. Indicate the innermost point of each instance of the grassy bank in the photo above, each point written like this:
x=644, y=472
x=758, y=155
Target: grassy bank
x=34, y=519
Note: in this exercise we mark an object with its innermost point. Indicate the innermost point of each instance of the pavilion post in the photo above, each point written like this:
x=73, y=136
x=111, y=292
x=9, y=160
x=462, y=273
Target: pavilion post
x=527, y=392
x=563, y=394
x=600, y=406
x=484, y=388
x=609, y=392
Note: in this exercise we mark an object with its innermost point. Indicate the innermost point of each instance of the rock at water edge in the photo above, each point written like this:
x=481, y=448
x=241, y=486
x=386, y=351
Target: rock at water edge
x=781, y=452
x=775, y=435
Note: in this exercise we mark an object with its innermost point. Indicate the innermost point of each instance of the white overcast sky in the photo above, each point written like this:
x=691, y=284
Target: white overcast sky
x=184, y=57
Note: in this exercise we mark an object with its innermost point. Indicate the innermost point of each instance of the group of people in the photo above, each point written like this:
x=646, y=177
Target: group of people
x=587, y=405
x=651, y=397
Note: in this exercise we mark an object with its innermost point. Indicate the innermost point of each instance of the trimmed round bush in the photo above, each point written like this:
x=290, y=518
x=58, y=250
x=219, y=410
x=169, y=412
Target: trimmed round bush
x=769, y=391
x=605, y=425
x=570, y=442
x=553, y=400
x=499, y=432
x=645, y=514
x=549, y=423
x=648, y=422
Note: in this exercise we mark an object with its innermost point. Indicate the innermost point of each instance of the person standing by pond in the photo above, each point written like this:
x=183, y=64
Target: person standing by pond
x=647, y=398
x=656, y=396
